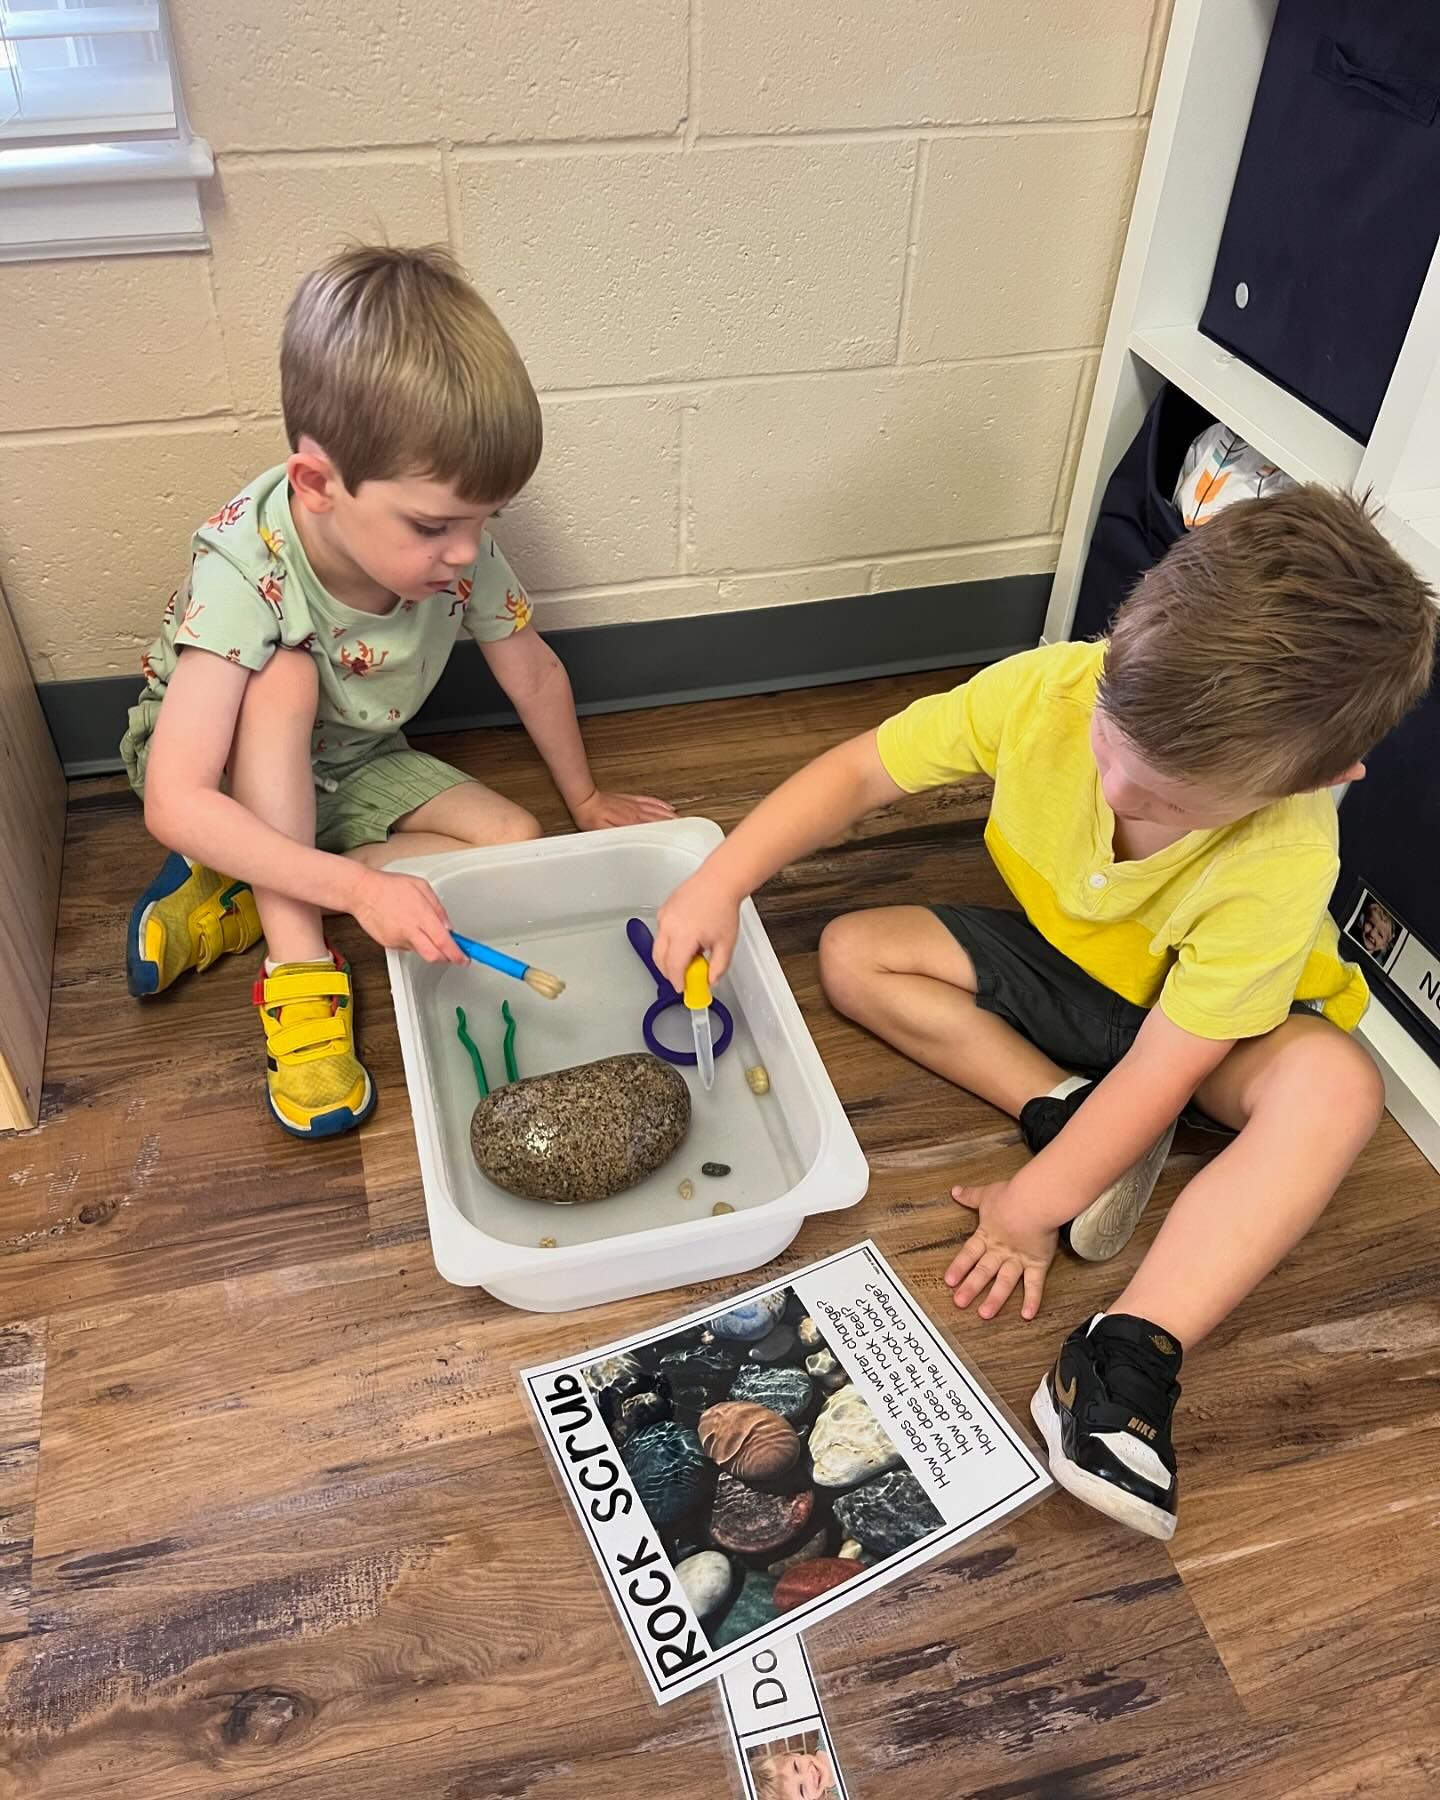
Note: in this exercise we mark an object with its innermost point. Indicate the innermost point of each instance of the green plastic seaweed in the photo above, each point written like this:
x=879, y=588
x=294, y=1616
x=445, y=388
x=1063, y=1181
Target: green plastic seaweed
x=475, y=1058
x=512, y=1068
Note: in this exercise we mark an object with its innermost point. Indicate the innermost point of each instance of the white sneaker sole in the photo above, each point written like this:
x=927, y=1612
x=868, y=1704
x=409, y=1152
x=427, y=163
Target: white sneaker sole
x=1128, y=1509
x=1107, y=1225
x=140, y=931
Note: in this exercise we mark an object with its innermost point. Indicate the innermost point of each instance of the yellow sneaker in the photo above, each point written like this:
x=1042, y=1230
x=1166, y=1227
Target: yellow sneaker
x=185, y=919
x=316, y=1084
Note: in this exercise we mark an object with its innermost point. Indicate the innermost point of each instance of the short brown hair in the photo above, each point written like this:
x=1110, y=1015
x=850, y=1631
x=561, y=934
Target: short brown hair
x=1271, y=647
x=395, y=366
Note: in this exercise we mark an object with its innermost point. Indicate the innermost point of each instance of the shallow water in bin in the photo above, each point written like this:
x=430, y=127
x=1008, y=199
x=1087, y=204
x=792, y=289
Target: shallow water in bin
x=600, y=1013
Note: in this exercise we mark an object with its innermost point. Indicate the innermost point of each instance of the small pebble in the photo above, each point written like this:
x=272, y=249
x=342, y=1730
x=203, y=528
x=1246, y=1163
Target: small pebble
x=687, y=1189
x=714, y=1168
x=826, y=1370
x=851, y=1550
x=774, y=1348
x=721, y=1206
x=549, y=1244
x=759, y=1079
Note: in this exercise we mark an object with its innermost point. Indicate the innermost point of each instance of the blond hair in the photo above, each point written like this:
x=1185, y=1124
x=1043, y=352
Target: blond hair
x=765, y=1774
x=1272, y=647
x=395, y=366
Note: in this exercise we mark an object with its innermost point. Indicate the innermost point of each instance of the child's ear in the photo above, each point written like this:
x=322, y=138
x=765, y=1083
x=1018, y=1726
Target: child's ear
x=313, y=477
x=1356, y=772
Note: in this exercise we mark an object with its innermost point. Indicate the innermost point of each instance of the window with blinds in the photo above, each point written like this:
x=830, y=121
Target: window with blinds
x=70, y=70
x=95, y=152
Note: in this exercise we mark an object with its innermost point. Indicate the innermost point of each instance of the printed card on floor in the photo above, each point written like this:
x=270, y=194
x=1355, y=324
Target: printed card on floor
x=777, y=1726
x=741, y=1474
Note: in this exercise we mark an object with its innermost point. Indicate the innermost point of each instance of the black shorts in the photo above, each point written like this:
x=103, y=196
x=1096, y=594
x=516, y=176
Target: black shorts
x=1023, y=979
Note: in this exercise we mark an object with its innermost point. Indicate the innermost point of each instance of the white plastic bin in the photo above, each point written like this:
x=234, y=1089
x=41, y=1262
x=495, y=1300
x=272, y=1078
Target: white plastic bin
x=562, y=904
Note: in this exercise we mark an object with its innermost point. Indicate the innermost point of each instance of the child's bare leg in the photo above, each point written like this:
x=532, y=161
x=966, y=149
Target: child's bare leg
x=401, y=844
x=472, y=814
x=1305, y=1100
x=270, y=775
x=464, y=817
x=901, y=974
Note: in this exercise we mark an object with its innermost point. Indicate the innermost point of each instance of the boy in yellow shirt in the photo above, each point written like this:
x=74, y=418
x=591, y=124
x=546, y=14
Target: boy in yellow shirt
x=320, y=610
x=1162, y=815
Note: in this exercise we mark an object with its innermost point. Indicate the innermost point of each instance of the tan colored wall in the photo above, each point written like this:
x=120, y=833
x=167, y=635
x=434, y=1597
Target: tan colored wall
x=812, y=289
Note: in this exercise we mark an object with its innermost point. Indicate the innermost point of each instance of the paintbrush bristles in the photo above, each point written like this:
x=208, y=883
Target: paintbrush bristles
x=551, y=986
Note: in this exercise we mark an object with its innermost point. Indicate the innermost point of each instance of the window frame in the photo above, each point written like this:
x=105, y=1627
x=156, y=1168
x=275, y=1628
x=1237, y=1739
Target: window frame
x=118, y=193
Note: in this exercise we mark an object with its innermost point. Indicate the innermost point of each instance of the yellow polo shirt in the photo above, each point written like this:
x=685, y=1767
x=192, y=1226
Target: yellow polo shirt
x=1226, y=929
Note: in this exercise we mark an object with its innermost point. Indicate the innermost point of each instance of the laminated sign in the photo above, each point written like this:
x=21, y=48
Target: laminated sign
x=741, y=1474
x=777, y=1725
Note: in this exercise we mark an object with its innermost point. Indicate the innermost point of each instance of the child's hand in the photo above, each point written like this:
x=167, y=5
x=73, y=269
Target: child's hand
x=701, y=918
x=603, y=809
x=1003, y=1250
x=402, y=912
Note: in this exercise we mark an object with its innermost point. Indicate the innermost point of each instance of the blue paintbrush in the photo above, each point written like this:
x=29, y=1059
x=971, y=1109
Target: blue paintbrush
x=550, y=986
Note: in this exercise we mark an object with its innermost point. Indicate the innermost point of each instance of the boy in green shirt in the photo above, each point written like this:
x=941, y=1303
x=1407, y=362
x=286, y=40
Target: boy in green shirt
x=1162, y=815
x=320, y=610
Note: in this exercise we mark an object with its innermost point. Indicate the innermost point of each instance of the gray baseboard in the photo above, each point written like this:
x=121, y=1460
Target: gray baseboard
x=664, y=662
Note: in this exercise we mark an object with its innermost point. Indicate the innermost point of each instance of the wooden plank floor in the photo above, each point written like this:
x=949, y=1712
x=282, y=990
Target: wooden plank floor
x=272, y=1520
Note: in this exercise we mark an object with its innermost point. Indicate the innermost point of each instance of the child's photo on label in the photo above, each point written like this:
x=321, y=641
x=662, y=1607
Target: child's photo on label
x=1376, y=929
x=796, y=1768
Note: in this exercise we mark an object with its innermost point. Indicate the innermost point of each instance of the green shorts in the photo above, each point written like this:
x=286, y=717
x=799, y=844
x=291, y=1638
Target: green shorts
x=356, y=803
x=363, y=802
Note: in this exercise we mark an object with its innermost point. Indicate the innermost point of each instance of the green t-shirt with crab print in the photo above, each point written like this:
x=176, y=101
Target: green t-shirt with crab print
x=251, y=591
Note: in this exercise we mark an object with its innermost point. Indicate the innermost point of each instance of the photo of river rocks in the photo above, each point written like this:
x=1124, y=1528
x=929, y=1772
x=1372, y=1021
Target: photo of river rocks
x=767, y=1473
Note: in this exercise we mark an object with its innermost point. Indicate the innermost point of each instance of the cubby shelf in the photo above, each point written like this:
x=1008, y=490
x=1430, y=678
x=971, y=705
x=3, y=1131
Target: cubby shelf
x=1207, y=85
x=1281, y=427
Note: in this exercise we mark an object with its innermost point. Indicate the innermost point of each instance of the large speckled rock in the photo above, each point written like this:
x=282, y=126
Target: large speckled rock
x=751, y=1320
x=754, y=1524
x=789, y=1392
x=672, y=1474
x=848, y=1444
x=707, y=1579
x=754, y=1606
x=888, y=1514
x=807, y=1580
x=748, y=1440
x=583, y=1133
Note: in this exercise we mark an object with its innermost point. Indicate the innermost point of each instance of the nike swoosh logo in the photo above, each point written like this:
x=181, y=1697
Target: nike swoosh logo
x=1065, y=1395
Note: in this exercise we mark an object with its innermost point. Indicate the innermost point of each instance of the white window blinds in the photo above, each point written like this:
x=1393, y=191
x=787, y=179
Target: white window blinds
x=96, y=156
x=71, y=71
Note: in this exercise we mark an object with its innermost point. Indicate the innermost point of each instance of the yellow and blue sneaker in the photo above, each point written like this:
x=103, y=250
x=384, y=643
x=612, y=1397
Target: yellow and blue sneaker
x=316, y=1085
x=185, y=919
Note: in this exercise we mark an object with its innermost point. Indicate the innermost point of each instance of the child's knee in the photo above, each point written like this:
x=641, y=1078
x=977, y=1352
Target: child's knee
x=1330, y=1075
x=516, y=826
x=1353, y=1074
x=497, y=825
x=848, y=963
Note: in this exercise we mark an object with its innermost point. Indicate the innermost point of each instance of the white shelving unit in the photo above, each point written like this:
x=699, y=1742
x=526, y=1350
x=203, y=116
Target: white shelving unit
x=1202, y=108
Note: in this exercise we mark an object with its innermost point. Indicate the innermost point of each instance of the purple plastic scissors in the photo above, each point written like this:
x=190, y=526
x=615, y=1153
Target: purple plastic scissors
x=642, y=941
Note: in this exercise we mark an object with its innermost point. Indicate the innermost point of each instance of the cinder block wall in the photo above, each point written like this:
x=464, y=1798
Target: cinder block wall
x=812, y=290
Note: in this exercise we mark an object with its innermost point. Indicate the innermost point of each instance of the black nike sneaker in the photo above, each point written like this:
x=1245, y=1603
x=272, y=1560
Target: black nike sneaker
x=1108, y=1223
x=1104, y=1412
